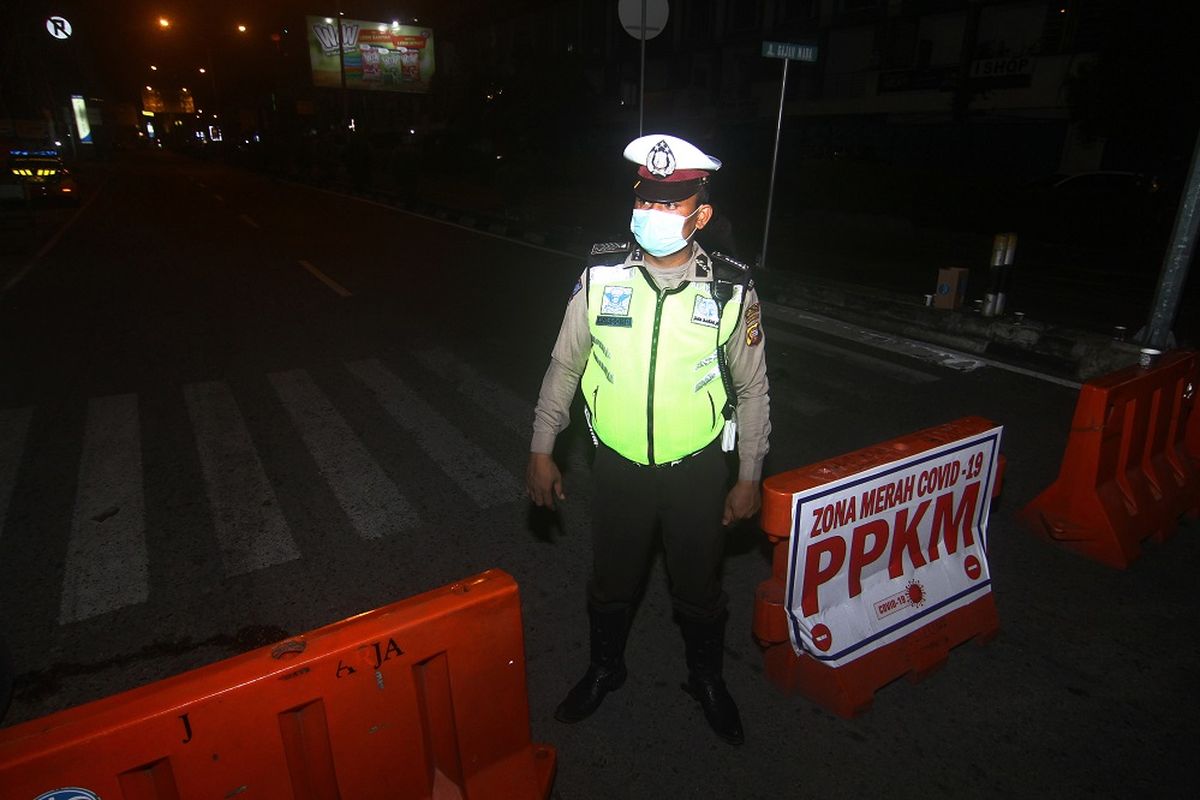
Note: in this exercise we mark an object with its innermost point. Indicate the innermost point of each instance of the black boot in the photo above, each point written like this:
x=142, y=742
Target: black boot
x=606, y=672
x=705, y=643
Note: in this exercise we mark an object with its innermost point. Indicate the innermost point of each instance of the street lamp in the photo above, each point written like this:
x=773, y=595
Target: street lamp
x=241, y=28
x=153, y=68
x=163, y=22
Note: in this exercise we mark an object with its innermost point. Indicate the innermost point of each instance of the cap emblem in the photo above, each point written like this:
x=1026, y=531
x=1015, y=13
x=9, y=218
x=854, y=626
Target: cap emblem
x=660, y=161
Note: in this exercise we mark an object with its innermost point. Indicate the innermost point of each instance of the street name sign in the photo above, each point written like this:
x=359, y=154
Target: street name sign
x=793, y=51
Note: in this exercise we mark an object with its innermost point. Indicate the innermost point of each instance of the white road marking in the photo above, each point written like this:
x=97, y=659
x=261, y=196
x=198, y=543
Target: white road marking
x=107, y=565
x=896, y=344
x=509, y=239
x=942, y=356
x=473, y=470
x=250, y=527
x=246, y=219
x=14, y=427
x=325, y=279
x=219, y=197
x=506, y=407
x=366, y=494
x=871, y=363
x=51, y=242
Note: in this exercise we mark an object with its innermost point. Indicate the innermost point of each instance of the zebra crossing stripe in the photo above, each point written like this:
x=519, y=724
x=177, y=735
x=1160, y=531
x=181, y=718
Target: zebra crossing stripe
x=503, y=405
x=507, y=408
x=14, y=426
x=473, y=470
x=250, y=526
x=366, y=494
x=106, y=566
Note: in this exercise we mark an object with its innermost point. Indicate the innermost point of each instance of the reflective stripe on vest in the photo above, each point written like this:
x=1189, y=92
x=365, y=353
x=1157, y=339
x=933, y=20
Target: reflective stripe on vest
x=653, y=382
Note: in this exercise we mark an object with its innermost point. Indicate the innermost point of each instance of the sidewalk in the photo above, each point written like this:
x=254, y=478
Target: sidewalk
x=1058, y=350
x=900, y=260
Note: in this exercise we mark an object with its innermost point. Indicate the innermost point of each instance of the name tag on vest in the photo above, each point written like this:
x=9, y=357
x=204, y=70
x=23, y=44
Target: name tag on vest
x=705, y=312
x=616, y=322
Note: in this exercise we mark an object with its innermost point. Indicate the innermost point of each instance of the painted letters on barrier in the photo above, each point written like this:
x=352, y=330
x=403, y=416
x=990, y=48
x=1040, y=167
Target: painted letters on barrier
x=879, y=553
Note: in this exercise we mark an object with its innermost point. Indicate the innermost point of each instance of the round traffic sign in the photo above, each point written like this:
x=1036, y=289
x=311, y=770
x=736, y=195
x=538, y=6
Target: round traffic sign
x=630, y=14
x=58, y=27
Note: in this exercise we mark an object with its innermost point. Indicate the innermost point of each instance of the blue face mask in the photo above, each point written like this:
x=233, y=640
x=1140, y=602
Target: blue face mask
x=660, y=233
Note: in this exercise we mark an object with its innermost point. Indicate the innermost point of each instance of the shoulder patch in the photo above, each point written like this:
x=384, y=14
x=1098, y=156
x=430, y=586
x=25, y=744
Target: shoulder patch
x=740, y=266
x=753, y=318
x=607, y=248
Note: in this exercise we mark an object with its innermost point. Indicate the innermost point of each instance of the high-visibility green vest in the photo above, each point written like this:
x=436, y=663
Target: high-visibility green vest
x=654, y=383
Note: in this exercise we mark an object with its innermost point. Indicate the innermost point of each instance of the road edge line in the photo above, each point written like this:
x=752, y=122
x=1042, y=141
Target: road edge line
x=52, y=241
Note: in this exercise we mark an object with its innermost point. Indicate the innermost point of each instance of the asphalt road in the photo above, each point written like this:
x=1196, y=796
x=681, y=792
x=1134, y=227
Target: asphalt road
x=233, y=409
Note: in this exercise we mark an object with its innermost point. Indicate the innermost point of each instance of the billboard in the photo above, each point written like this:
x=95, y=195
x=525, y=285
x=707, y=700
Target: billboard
x=377, y=55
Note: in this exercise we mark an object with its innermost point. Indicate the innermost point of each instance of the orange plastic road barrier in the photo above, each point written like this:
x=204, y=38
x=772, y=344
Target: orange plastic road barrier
x=1125, y=475
x=1192, y=434
x=422, y=698
x=849, y=689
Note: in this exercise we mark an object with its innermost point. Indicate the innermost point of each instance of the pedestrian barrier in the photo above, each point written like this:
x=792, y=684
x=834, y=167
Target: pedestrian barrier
x=1126, y=474
x=422, y=698
x=905, y=606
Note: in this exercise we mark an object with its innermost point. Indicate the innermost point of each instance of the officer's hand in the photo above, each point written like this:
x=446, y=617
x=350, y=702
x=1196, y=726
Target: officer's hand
x=742, y=502
x=543, y=481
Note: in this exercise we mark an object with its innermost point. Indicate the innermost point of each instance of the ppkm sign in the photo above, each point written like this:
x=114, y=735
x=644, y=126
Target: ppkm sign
x=881, y=553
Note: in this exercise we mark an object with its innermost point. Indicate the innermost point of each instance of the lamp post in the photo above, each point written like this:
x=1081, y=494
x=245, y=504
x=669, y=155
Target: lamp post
x=342, y=70
x=164, y=23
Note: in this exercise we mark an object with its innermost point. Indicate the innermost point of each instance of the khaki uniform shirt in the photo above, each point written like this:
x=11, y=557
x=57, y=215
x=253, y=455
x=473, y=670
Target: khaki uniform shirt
x=747, y=366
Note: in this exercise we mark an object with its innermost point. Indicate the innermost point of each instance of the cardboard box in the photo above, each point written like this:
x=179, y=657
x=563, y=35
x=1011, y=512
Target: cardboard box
x=951, y=288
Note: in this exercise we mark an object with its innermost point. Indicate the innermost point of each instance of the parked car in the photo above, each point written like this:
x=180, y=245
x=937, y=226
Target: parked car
x=44, y=175
x=1102, y=210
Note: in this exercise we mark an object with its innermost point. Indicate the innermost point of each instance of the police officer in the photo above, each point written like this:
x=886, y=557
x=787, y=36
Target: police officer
x=666, y=342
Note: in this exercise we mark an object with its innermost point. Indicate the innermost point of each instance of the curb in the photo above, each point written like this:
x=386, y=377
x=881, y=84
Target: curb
x=1055, y=349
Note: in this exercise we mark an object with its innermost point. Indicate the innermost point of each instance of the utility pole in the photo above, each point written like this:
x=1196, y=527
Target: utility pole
x=1175, y=263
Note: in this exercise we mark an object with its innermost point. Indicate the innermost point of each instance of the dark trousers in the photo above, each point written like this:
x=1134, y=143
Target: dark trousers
x=631, y=501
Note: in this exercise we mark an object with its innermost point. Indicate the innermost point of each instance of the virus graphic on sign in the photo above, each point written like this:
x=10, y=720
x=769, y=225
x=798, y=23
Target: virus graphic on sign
x=913, y=596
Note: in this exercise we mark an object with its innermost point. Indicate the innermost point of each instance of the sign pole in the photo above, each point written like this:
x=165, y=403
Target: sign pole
x=642, y=19
x=762, y=261
x=642, y=78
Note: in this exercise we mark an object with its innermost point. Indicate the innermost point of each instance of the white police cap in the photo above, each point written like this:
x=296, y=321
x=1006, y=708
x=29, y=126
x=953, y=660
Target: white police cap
x=669, y=168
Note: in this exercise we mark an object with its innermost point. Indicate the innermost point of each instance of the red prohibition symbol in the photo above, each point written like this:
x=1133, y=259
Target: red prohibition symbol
x=822, y=637
x=972, y=567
